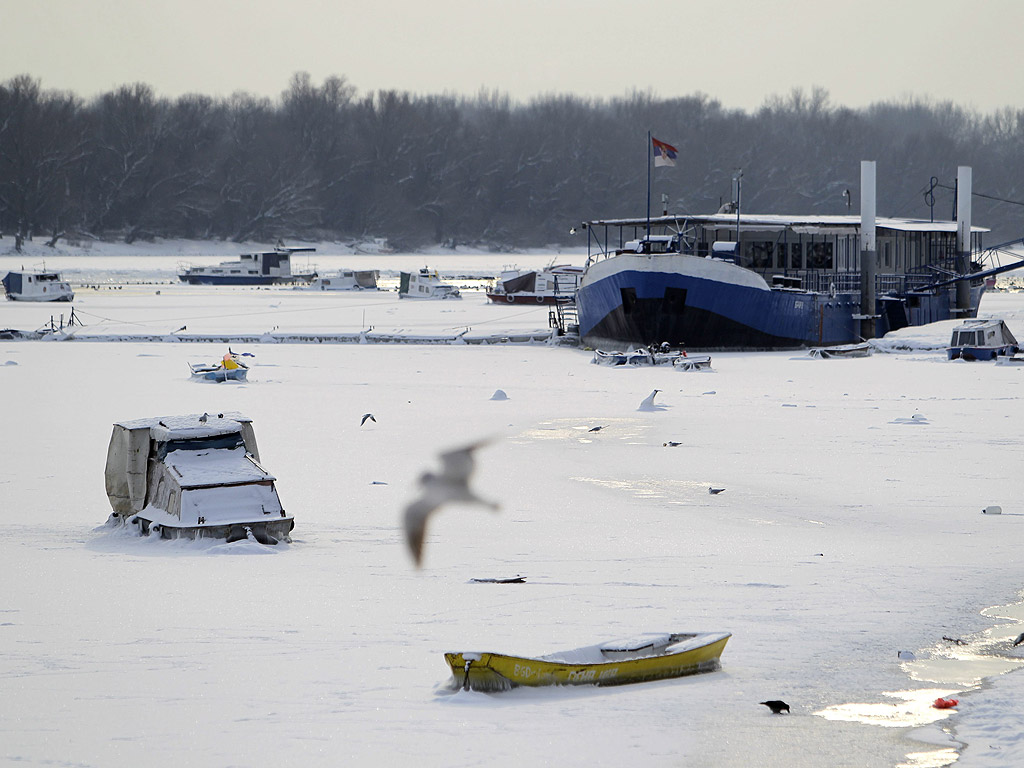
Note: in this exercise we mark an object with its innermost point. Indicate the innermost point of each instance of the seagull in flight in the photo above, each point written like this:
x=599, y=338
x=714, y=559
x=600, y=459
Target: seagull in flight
x=365, y=417
x=451, y=484
x=1019, y=640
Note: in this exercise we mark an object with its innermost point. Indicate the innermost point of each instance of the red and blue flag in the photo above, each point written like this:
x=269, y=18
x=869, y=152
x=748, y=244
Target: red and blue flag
x=664, y=154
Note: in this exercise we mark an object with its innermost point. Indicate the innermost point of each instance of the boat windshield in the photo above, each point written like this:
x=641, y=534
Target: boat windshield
x=232, y=440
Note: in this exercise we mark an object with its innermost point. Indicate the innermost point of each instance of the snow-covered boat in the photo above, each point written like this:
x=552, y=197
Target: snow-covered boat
x=37, y=286
x=346, y=280
x=982, y=339
x=653, y=355
x=193, y=477
x=264, y=268
x=229, y=368
x=551, y=285
x=648, y=657
x=842, y=350
x=425, y=284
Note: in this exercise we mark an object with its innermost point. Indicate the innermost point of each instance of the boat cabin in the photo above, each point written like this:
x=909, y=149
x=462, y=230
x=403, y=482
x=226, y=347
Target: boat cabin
x=982, y=339
x=37, y=286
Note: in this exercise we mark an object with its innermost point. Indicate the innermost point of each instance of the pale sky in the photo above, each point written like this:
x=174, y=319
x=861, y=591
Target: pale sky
x=736, y=51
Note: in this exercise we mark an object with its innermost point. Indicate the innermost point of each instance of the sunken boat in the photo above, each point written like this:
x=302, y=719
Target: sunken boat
x=196, y=476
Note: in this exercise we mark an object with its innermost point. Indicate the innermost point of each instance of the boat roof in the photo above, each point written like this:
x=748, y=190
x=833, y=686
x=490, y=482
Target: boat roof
x=807, y=224
x=163, y=428
x=220, y=466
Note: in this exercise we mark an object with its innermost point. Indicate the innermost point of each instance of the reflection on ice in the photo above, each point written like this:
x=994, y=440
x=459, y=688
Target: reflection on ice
x=914, y=709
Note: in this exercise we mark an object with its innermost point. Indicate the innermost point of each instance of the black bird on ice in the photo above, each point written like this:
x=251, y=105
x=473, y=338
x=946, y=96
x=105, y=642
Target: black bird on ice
x=451, y=484
x=776, y=706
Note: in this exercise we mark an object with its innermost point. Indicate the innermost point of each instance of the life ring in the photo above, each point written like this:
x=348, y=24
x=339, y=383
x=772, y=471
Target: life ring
x=540, y=299
x=509, y=298
x=831, y=290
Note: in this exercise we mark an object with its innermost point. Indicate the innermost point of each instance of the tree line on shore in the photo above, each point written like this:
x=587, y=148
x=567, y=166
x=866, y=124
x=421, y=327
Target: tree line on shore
x=326, y=162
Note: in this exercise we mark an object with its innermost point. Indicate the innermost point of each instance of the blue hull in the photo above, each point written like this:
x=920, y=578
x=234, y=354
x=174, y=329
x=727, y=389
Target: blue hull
x=709, y=304
x=243, y=279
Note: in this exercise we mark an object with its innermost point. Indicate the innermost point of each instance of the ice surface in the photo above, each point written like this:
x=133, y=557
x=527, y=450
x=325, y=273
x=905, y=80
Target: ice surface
x=844, y=537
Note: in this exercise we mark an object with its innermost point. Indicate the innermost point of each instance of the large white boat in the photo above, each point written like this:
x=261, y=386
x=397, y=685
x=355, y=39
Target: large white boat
x=425, y=284
x=37, y=286
x=264, y=268
x=554, y=284
x=193, y=477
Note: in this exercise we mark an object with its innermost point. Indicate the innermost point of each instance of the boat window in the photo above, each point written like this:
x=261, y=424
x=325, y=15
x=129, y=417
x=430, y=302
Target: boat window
x=796, y=255
x=232, y=440
x=819, y=256
x=760, y=252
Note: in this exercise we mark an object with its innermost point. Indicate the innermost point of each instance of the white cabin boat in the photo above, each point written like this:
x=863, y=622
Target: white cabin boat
x=425, y=284
x=37, y=286
x=552, y=285
x=346, y=280
x=983, y=339
x=193, y=477
x=265, y=268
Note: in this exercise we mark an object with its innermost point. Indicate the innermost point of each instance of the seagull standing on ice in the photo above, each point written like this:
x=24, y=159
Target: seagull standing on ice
x=203, y=418
x=452, y=484
x=648, y=402
x=715, y=491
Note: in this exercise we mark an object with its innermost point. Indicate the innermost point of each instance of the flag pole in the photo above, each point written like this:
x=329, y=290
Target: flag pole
x=648, y=189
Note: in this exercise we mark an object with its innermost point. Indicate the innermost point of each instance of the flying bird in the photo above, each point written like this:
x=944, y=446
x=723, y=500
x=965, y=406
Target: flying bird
x=1019, y=640
x=648, y=402
x=715, y=491
x=776, y=706
x=365, y=417
x=451, y=484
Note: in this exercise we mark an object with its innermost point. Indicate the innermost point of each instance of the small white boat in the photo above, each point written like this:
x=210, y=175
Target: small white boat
x=229, y=368
x=346, y=280
x=425, y=285
x=552, y=285
x=193, y=477
x=841, y=350
x=982, y=339
x=37, y=286
x=662, y=355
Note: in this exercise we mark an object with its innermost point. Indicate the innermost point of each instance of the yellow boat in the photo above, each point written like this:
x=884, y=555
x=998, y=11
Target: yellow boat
x=648, y=657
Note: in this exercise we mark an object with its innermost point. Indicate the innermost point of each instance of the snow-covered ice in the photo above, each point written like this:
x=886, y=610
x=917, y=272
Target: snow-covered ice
x=851, y=531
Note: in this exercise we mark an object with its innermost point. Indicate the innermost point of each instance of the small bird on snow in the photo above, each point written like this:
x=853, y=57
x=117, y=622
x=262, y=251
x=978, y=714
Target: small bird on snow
x=715, y=491
x=203, y=418
x=596, y=429
x=670, y=444
x=365, y=417
x=1019, y=640
x=647, y=404
x=452, y=484
x=776, y=706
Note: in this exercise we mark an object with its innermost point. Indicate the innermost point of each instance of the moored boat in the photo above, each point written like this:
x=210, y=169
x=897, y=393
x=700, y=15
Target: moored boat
x=982, y=339
x=842, y=350
x=732, y=280
x=229, y=368
x=346, y=280
x=425, y=284
x=37, y=286
x=552, y=285
x=263, y=268
x=648, y=657
x=193, y=477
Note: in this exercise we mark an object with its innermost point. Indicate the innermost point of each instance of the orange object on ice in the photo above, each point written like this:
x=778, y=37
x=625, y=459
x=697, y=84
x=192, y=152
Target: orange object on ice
x=941, y=703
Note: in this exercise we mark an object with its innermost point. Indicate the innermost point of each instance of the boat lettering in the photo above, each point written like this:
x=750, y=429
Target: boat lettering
x=582, y=676
x=613, y=672
x=522, y=670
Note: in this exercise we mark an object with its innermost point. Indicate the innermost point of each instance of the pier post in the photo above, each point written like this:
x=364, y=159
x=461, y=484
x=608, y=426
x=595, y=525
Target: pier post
x=963, y=239
x=868, y=249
